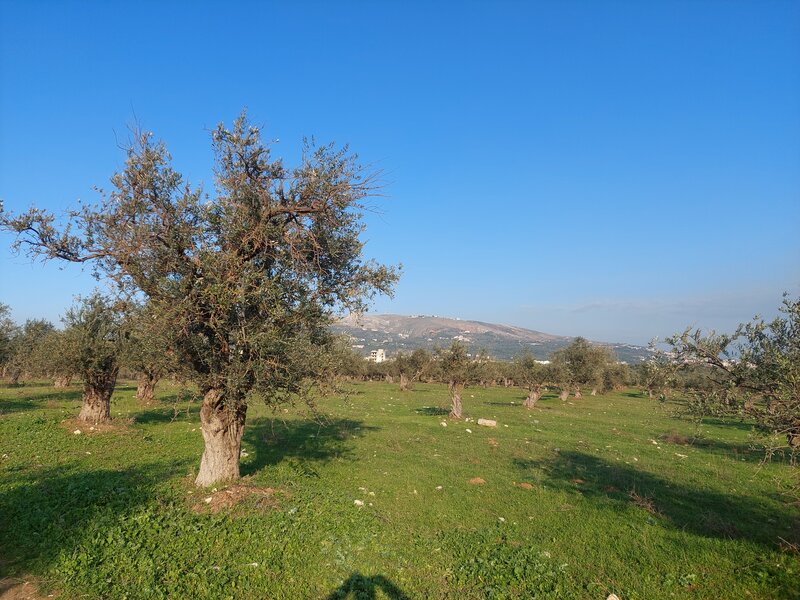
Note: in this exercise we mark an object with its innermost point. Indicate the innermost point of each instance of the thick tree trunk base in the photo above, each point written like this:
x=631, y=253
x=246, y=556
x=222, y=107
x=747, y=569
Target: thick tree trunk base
x=222, y=428
x=145, y=389
x=563, y=395
x=531, y=400
x=594, y=392
x=96, y=404
x=404, y=383
x=455, y=396
x=578, y=394
x=62, y=381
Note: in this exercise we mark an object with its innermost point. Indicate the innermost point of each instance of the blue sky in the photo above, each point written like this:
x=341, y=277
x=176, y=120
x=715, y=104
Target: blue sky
x=610, y=169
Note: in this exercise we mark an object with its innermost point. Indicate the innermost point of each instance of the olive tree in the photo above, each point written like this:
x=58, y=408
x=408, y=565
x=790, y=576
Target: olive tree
x=410, y=367
x=458, y=369
x=29, y=352
x=8, y=333
x=532, y=375
x=92, y=343
x=657, y=373
x=148, y=352
x=246, y=279
x=582, y=364
x=753, y=372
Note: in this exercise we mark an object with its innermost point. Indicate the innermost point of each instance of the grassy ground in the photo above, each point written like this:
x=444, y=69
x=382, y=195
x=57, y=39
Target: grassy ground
x=580, y=500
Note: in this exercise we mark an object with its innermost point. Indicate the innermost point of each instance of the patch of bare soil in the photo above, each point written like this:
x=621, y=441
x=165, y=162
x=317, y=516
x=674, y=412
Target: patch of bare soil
x=673, y=437
x=77, y=427
x=644, y=502
x=476, y=481
x=225, y=499
x=15, y=588
x=523, y=485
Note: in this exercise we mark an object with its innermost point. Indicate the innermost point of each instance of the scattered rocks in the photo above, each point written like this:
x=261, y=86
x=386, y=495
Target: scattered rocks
x=487, y=422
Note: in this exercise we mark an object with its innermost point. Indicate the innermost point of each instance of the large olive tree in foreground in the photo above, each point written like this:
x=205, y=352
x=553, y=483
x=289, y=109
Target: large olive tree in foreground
x=245, y=281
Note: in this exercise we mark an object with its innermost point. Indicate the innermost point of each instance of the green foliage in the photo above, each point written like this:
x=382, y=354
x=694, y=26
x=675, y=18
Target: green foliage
x=94, y=338
x=581, y=364
x=29, y=349
x=457, y=367
x=754, y=372
x=8, y=333
x=529, y=373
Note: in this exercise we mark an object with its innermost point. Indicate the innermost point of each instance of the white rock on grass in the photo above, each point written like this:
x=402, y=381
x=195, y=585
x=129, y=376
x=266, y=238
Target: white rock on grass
x=487, y=422
x=443, y=423
x=469, y=430
x=77, y=432
x=358, y=502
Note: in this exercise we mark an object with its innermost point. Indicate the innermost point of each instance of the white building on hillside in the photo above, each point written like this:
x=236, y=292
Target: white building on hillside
x=377, y=356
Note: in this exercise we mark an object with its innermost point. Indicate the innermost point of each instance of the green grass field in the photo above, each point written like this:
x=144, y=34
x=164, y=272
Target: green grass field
x=579, y=500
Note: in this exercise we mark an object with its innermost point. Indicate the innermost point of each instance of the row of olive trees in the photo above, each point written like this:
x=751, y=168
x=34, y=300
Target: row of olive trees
x=581, y=365
x=99, y=337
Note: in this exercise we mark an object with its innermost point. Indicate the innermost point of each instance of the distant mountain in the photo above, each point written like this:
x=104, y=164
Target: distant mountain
x=397, y=333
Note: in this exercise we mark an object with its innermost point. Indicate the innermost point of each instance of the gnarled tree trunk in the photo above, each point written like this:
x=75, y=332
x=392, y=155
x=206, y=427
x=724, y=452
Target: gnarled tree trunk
x=145, y=388
x=97, y=391
x=564, y=394
x=404, y=383
x=594, y=392
x=62, y=381
x=532, y=399
x=222, y=425
x=455, y=397
x=578, y=392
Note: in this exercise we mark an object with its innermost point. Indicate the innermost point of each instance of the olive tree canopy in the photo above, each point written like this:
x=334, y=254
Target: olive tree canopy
x=245, y=280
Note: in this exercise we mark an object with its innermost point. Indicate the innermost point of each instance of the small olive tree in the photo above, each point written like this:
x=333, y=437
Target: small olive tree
x=8, y=333
x=410, y=367
x=29, y=350
x=582, y=364
x=93, y=342
x=459, y=370
x=148, y=352
x=246, y=281
x=532, y=375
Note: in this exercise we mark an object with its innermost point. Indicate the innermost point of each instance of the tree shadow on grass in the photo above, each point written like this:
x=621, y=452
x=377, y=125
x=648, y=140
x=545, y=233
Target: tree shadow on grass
x=167, y=410
x=702, y=511
x=362, y=587
x=51, y=511
x=739, y=452
x=35, y=402
x=432, y=411
x=309, y=440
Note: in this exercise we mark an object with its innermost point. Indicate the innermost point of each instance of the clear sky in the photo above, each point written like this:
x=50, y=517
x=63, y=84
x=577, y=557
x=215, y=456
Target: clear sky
x=610, y=169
